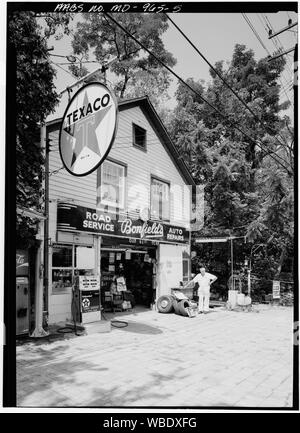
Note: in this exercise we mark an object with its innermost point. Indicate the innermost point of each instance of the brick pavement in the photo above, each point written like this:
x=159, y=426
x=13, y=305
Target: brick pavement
x=222, y=359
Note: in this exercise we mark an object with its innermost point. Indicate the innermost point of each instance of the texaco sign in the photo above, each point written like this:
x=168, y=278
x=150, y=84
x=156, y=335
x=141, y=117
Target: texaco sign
x=88, y=129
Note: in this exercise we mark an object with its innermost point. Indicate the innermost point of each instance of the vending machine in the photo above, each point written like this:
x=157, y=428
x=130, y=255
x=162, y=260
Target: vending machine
x=22, y=293
x=86, y=299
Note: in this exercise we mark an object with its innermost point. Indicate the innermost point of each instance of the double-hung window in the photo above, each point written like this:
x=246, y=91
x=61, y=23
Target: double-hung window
x=160, y=199
x=111, y=185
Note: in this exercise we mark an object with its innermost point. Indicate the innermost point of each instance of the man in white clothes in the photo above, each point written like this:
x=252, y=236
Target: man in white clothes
x=204, y=279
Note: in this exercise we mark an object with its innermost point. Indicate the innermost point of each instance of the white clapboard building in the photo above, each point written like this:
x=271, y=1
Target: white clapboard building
x=130, y=217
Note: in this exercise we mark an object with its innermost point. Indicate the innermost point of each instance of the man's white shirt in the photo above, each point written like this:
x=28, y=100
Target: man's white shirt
x=204, y=281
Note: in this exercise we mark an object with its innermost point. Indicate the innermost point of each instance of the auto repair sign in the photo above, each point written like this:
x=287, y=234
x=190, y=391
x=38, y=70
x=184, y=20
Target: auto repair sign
x=88, y=129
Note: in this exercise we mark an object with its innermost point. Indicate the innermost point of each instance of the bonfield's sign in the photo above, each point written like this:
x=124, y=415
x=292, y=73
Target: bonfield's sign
x=77, y=218
x=88, y=129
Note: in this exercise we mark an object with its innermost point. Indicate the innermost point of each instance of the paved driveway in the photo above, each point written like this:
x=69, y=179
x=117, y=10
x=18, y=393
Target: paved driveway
x=223, y=358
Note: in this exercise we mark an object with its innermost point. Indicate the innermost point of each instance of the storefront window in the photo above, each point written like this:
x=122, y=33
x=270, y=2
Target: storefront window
x=62, y=271
x=62, y=256
x=68, y=260
x=111, y=185
x=160, y=200
x=61, y=280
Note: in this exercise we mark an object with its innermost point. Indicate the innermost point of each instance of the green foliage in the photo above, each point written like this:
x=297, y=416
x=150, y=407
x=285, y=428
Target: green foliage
x=246, y=191
x=35, y=99
x=137, y=73
x=57, y=24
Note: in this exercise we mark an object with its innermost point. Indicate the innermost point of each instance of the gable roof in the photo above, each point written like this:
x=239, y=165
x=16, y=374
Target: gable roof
x=155, y=121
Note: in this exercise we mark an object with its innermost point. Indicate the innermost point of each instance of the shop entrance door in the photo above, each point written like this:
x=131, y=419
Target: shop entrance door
x=136, y=266
x=139, y=277
x=170, y=268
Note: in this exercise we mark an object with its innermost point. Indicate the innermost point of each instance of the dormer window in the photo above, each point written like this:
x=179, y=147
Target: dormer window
x=139, y=136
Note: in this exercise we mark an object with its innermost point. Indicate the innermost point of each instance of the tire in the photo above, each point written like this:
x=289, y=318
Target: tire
x=176, y=306
x=182, y=305
x=165, y=304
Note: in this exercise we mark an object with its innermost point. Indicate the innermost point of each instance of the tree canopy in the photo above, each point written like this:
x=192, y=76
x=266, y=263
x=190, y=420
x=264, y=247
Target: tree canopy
x=247, y=192
x=35, y=99
x=137, y=73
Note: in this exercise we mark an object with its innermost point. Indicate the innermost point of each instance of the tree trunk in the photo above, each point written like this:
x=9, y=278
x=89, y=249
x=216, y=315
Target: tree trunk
x=281, y=260
x=126, y=79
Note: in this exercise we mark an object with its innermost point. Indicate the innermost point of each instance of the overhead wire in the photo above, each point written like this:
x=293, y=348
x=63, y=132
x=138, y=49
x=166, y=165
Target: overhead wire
x=278, y=45
x=225, y=82
x=234, y=124
x=275, y=39
x=255, y=32
x=268, y=52
x=65, y=70
x=77, y=63
x=285, y=86
x=267, y=28
x=263, y=45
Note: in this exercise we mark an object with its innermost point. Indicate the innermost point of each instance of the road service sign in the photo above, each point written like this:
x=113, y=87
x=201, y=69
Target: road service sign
x=88, y=129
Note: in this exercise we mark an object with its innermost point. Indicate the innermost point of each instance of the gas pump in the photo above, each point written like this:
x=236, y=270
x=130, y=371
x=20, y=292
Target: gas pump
x=86, y=306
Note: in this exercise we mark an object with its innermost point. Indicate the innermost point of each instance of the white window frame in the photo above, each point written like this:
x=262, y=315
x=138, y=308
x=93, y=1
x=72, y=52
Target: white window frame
x=66, y=289
x=72, y=268
x=120, y=205
x=163, y=182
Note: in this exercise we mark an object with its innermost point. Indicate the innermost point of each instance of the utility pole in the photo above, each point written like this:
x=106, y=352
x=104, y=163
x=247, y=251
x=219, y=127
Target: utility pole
x=40, y=287
x=284, y=29
x=288, y=27
x=46, y=243
x=231, y=255
x=295, y=84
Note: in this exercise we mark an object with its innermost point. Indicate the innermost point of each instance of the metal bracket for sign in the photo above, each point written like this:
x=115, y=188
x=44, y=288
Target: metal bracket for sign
x=69, y=90
x=90, y=74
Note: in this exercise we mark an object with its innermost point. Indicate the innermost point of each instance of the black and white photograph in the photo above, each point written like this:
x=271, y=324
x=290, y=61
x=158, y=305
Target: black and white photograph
x=150, y=255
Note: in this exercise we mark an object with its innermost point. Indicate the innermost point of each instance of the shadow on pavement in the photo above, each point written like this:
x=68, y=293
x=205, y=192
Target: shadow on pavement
x=141, y=328
x=135, y=395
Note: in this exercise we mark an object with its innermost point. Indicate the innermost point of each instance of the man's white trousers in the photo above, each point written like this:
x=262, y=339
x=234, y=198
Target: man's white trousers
x=203, y=301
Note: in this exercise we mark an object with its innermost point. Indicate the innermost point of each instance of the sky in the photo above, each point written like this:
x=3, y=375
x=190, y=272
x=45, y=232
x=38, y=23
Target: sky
x=215, y=35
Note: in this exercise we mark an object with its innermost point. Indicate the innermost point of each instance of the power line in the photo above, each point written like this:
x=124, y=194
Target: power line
x=65, y=70
x=267, y=28
x=255, y=32
x=288, y=87
x=225, y=82
x=197, y=93
x=270, y=27
x=276, y=41
x=77, y=63
x=267, y=31
x=285, y=86
x=268, y=52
